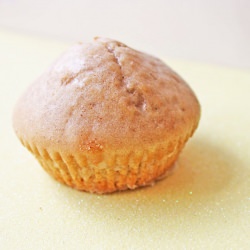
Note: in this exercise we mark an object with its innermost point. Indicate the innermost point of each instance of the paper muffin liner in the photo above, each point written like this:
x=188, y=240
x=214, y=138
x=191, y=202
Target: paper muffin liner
x=108, y=172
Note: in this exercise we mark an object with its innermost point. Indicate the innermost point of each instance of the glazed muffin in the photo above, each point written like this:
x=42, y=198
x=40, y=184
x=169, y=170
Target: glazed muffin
x=105, y=117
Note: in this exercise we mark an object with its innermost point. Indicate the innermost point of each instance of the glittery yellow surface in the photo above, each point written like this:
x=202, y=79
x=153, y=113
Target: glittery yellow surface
x=204, y=204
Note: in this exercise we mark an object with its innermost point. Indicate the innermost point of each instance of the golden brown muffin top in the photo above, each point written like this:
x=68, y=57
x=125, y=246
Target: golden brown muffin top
x=105, y=94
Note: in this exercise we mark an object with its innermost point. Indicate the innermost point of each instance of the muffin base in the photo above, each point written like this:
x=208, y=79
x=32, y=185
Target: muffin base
x=107, y=172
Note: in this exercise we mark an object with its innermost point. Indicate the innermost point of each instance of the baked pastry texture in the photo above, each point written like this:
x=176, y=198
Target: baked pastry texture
x=105, y=117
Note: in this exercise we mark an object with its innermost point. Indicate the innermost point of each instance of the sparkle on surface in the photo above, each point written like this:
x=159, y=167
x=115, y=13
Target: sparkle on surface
x=204, y=204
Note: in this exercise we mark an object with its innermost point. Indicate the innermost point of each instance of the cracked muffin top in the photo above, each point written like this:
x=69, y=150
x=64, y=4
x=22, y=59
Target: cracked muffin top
x=104, y=94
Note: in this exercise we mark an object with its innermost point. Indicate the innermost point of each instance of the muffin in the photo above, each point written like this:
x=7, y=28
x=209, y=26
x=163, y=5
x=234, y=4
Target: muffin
x=105, y=117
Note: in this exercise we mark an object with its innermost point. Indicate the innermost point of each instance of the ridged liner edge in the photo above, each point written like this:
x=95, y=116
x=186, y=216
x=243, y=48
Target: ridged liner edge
x=112, y=172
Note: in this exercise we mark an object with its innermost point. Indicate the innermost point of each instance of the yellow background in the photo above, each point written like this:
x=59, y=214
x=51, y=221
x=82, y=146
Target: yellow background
x=203, y=205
